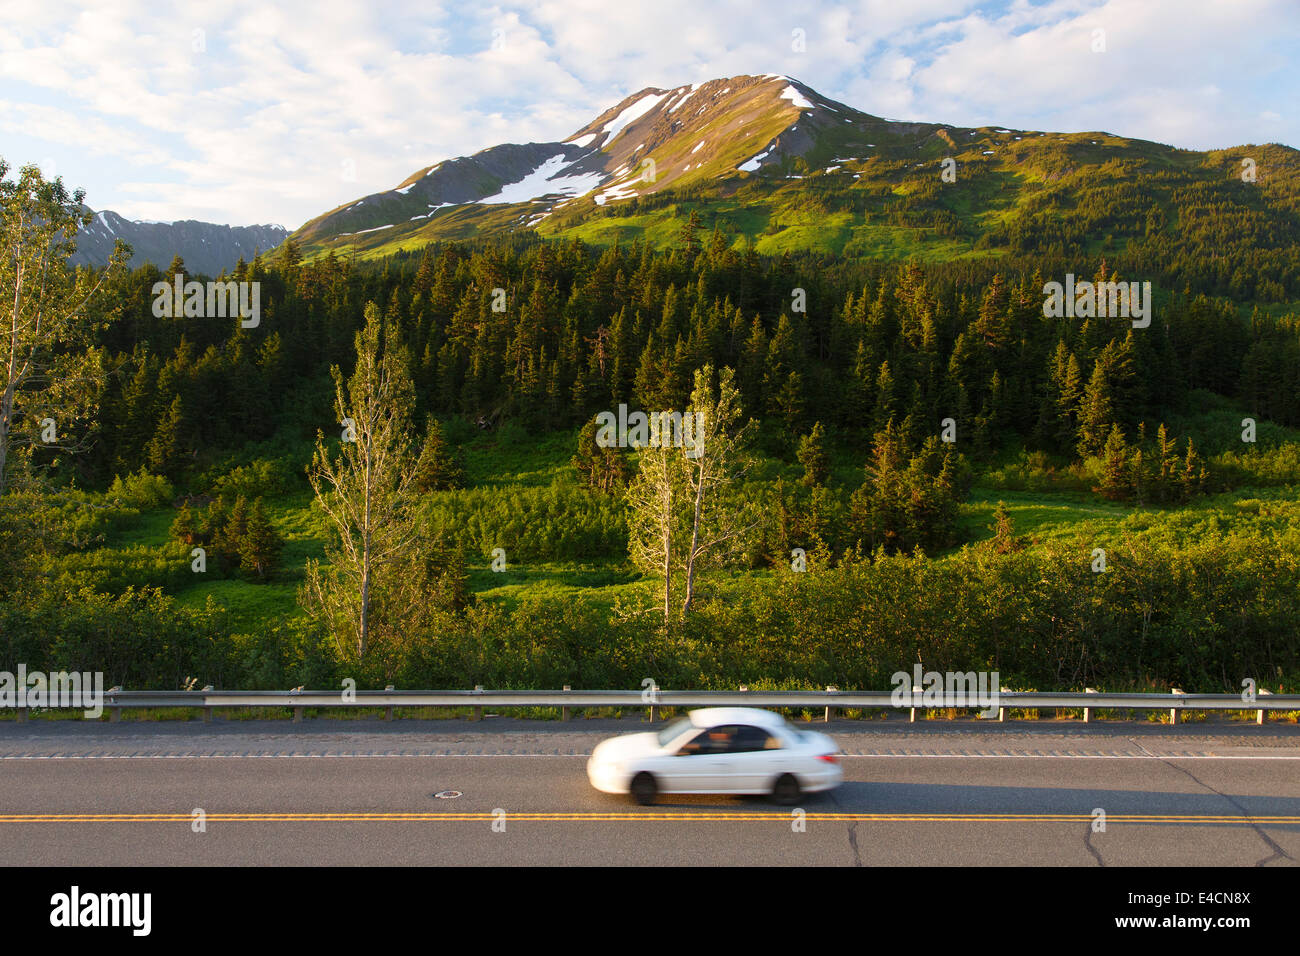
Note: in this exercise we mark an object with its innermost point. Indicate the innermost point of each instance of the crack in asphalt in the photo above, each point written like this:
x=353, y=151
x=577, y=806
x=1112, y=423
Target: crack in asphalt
x=1087, y=844
x=853, y=832
x=1278, y=852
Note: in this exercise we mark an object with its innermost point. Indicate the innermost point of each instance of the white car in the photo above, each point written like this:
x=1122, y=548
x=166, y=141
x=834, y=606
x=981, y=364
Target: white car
x=738, y=750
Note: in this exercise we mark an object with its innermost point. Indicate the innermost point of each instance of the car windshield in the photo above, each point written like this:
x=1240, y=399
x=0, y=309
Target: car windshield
x=673, y=731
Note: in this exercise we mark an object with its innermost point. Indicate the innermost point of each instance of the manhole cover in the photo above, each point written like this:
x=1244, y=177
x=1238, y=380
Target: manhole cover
x=447, y=794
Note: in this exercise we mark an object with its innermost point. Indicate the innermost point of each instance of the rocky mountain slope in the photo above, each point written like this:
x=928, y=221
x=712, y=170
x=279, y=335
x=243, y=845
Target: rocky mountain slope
x=206, y=247
x=771, y=161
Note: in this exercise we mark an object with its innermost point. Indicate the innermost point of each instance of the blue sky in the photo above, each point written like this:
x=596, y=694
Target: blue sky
x=248, y=112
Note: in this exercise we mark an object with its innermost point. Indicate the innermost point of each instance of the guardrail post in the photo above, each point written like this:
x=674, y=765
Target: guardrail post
x=114, y=714
x=1173, y=711
x=653, y=711
x=297, y=715
x=207, y=711
x=911, y=714
x=22, y=715
x=830, y=709
x=1087, y=711
x=1259, y=714
x=388, y=711
x=477, y=712
x=564, y=711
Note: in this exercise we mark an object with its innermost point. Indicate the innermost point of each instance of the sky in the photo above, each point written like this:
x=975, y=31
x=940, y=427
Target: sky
x=261, y=112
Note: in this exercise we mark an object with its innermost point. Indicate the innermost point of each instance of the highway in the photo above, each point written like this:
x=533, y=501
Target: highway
x=506, y=791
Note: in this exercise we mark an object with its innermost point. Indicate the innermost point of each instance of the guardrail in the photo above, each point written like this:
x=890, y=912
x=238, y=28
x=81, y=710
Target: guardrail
x=117, y=700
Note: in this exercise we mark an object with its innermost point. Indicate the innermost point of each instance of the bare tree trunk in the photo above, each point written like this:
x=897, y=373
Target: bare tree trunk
x=668, y=588
x=11, y=379
x=363, y=630
x=6, y=409
x=667, y=574
x=667, y=518
x=364, y=636
x=692, y=553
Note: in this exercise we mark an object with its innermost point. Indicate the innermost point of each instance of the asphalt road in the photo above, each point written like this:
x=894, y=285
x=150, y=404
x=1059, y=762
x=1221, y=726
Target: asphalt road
x=331, y=792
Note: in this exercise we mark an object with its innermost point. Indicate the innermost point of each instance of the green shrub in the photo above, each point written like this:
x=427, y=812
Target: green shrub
x=558, y=522
x=140, y=490
x=260, y=478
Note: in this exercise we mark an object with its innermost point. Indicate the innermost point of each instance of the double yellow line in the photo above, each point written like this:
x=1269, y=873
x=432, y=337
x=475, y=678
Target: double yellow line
x=370, y=816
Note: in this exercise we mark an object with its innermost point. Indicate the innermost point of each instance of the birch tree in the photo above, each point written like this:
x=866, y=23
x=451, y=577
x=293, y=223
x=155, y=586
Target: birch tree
x=365, y=488
x=50, y=367
x=715, y=462
x=683, y=514
x=652, y=498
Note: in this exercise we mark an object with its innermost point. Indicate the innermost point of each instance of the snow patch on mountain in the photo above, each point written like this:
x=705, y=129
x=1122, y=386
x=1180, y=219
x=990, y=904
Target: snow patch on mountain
x=678, y=104
x=362, y=232
x=632, y=113
x=751, y=166
x=545, y=181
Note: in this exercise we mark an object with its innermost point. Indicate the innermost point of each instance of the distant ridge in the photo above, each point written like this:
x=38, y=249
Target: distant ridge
x=206, y=247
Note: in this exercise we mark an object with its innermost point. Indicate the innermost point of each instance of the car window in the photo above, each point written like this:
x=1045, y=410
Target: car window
x=751, y=739
x=715, y=740
x=673, y=731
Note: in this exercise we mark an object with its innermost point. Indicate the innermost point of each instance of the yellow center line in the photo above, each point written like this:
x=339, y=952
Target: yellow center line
x=367, y=816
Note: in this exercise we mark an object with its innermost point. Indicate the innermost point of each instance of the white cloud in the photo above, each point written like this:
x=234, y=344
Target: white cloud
x=287, y=101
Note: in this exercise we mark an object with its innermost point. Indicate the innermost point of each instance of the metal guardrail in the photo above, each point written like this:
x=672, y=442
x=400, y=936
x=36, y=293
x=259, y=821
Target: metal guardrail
x=116, y=700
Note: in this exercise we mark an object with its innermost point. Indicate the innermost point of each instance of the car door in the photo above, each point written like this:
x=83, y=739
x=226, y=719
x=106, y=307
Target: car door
x=755, y=759
x=700, y=765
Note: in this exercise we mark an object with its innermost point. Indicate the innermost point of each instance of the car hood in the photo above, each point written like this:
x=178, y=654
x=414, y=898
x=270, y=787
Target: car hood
x=627, y=746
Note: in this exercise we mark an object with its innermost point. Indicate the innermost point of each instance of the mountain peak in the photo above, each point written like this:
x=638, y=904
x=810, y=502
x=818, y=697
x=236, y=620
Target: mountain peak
x=654, y=139
x=745, y=145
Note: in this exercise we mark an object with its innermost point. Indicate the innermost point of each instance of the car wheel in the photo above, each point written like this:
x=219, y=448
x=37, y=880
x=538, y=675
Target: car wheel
x=786, y=790
x=644, y=788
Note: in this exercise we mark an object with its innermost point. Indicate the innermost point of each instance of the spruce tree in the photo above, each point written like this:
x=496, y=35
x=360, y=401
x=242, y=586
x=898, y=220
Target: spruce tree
x=164, y=454
x=602, y=469
x=260, y=545
x=1004, y=531
x=1115, y=482
x=814, y=458
x=689, y=236
x=186, y=527
x=1096, y=412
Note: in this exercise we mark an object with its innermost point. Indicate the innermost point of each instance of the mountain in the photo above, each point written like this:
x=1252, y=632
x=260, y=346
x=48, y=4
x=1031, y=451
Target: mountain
x=769, y=160
x=206, y=247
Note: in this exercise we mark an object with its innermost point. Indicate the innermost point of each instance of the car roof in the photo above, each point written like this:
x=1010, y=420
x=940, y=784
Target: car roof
x=717, y=716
